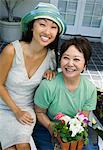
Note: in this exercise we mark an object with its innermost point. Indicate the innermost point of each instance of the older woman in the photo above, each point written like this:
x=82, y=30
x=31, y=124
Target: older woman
x=68, y=93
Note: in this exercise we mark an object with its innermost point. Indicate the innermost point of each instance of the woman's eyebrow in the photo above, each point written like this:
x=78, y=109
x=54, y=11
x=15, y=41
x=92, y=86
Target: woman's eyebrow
x=73, y=56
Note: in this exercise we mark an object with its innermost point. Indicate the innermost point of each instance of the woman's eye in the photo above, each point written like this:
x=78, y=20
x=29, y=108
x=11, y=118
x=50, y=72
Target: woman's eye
x=42, y=24
x=65, y=57
x=54, y=27
x=76, y=59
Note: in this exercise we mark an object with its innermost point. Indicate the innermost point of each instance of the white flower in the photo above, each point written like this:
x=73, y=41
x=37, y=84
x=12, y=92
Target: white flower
x=81, y=117
x=65, y=118
x=75, y=126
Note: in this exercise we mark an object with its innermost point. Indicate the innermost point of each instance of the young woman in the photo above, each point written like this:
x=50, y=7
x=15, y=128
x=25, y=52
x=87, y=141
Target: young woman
x=68, y=93
x=22, y=65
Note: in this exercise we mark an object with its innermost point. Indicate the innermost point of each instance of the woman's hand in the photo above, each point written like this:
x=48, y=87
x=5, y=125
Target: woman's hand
x=49, y=74
x=24, y=117
x=50, y=128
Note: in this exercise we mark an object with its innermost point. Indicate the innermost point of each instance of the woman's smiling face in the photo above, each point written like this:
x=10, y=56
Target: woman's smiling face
x=72, y=62
x=44, y=31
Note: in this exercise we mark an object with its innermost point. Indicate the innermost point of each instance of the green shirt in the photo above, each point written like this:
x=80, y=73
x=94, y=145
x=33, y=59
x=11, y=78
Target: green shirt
x=54, y=96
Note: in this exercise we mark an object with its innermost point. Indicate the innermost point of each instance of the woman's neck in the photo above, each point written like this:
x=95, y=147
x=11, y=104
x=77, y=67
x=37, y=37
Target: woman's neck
x=35, y=48
x=72, y=83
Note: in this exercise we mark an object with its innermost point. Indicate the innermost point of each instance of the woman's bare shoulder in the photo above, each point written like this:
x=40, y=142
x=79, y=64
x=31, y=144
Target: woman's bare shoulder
x=9, y=50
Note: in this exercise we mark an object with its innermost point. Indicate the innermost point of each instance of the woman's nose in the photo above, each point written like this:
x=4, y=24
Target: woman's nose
x=47, y=30
x=70, y=62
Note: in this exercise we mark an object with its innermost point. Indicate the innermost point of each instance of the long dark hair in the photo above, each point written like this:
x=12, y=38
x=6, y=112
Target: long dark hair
x=54, y=46
x=27, y=36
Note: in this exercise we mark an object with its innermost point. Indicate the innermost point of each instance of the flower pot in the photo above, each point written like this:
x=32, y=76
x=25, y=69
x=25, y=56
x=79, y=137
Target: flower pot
x=76, y=145
x=65, y=146
x=80, y=144
x=10, y=31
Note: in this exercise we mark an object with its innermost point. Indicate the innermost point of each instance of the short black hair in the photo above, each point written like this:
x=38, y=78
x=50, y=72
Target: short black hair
x=82, y=44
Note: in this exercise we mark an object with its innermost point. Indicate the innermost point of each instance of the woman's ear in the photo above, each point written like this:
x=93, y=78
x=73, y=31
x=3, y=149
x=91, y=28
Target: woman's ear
x=85, y=68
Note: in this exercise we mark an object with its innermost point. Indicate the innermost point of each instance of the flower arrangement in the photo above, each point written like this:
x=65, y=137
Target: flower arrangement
x=71, y=129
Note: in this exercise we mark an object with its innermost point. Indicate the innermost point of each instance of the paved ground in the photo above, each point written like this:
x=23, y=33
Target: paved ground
x=95, y=68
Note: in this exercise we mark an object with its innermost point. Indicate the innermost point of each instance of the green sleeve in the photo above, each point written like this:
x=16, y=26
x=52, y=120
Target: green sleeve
x=90, y=103
x=42, y=96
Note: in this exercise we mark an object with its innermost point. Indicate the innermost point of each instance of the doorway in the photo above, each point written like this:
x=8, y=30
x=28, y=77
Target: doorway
x=83, y=17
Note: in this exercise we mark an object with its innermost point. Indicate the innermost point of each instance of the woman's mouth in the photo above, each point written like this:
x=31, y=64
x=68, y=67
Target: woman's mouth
x=44, y=38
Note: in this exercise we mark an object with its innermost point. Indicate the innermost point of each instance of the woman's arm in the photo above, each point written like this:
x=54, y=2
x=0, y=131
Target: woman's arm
x=6, y=60
x=43, y=118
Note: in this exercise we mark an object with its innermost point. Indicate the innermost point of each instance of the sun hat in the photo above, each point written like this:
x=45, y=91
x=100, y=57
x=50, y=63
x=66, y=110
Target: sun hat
x=44, y=10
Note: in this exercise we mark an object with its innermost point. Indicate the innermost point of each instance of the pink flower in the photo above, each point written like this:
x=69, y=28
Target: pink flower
x=82, y=118
x=86, y=121
x=58, y=116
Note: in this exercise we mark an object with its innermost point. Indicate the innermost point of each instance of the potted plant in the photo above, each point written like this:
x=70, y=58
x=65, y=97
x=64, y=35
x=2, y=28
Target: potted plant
x=71, y=132
x=10, y=29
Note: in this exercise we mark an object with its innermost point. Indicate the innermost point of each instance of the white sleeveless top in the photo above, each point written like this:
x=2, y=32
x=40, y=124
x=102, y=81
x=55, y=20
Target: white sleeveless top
x=19, y=85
